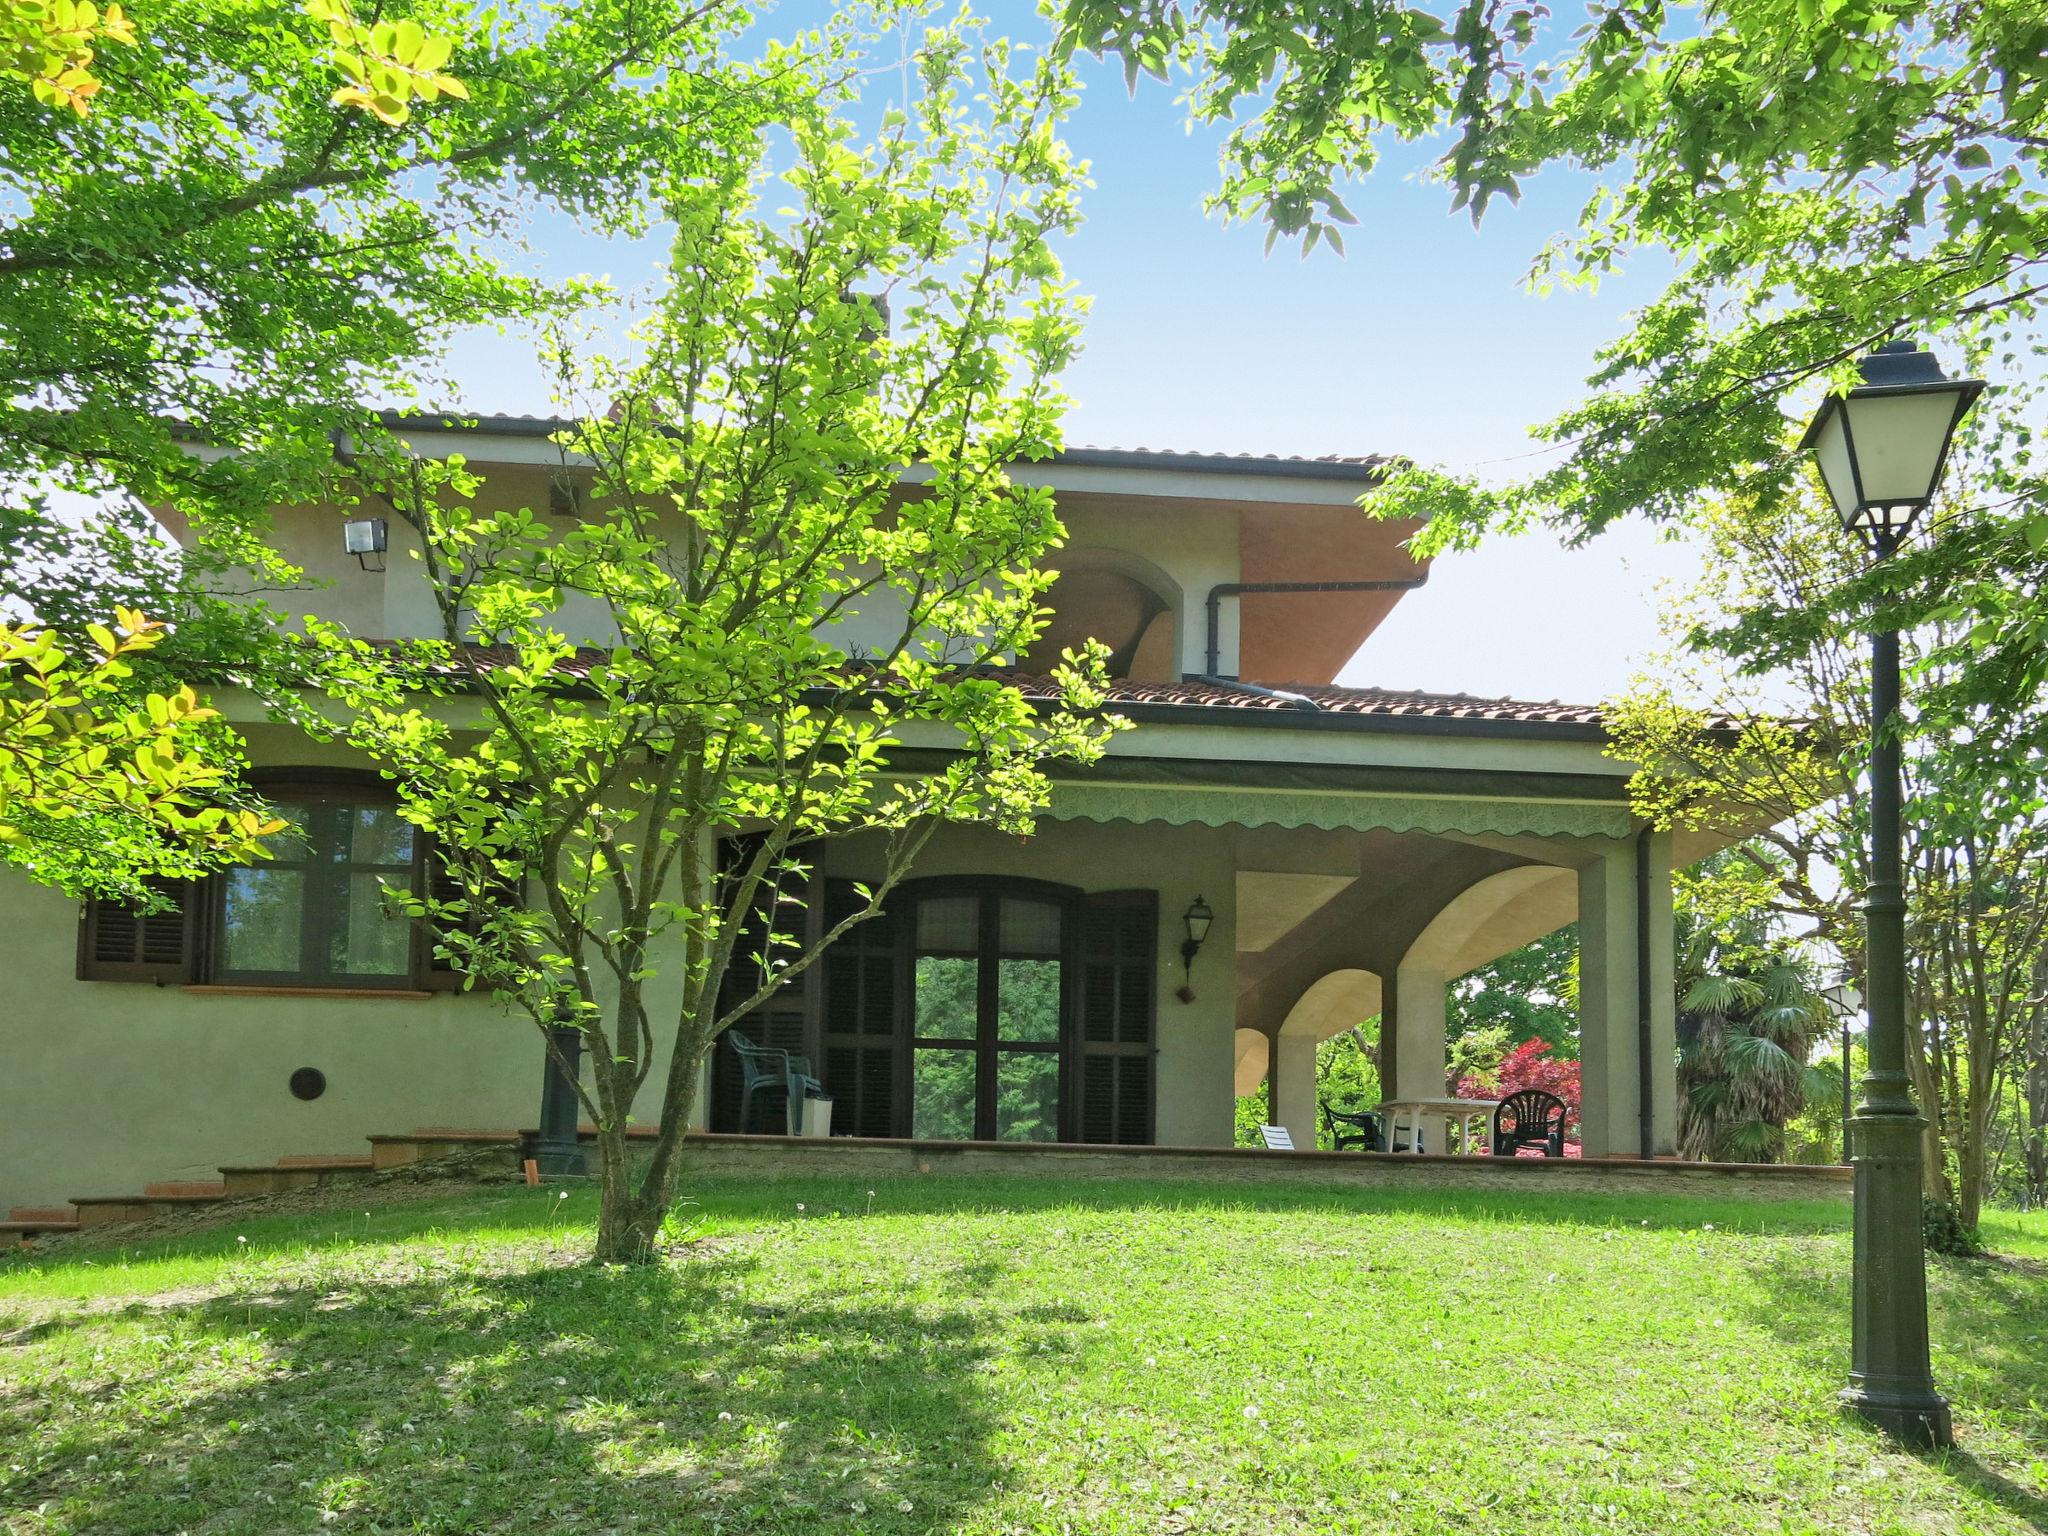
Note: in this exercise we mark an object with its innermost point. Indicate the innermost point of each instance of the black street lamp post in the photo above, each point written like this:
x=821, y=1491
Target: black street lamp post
x=1881, y=448
x=558, y=1149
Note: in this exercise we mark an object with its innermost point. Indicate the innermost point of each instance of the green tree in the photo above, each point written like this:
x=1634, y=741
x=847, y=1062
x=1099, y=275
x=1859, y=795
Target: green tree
x=1976, y=858
x=48, y=46
x=105, y=785
x=775, y=613
x=250, y=238
x=1348, y=1070
x=384, y=65
x=254, y=280
x=1749, y=1011
x=1531, y=993
x=1817, y=178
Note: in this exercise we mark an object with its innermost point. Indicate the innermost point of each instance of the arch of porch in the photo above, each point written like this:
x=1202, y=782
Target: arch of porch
x=1415, y=918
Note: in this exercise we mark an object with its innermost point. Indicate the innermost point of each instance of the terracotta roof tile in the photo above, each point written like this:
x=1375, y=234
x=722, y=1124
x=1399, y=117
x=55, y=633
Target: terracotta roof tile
x=1257, y=702
x=1330, y=698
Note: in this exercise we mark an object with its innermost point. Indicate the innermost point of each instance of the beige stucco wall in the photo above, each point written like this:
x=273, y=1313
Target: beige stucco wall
x=397, y=602
x=1192, y=530
x=113, y=1085
x=1194, y=544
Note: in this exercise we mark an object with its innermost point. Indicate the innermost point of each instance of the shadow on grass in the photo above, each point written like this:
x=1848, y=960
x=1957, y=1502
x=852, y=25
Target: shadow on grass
x=552, y=1398
x=1989, y=1321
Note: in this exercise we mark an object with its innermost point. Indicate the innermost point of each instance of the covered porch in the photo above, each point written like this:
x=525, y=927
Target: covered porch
x=1335, y=934
x=1354, y=867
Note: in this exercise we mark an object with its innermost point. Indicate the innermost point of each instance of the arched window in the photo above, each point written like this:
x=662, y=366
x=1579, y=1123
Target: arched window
x=989, y=974
x=976, y=1008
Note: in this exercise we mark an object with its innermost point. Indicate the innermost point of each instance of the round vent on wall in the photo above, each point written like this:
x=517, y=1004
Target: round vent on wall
x=308, y=1083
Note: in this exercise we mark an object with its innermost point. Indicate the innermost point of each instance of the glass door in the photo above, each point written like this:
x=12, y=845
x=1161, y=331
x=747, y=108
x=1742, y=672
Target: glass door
x=945, y=1029
x=1026, y=1087
x=987, y=1017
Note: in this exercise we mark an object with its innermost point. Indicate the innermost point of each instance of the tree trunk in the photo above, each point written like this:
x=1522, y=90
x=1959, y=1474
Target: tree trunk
x=1970, y=1164
x=2036, y=1141
x=630, y=1216
x=1925, y=1075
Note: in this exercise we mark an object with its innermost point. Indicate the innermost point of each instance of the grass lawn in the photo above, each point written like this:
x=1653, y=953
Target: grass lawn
x=1004, y=1357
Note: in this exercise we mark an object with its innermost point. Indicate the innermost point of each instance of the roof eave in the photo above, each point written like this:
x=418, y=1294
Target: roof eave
x=1363, y=473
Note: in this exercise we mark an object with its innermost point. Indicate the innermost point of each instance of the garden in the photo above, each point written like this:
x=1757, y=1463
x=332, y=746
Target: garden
x=1001, y=1356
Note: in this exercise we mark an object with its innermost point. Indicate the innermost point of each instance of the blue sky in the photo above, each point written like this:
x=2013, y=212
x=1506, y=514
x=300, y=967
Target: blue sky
x=1422, y=340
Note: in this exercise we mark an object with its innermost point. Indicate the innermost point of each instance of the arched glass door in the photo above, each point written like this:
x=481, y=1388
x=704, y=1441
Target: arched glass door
x=988, y=1014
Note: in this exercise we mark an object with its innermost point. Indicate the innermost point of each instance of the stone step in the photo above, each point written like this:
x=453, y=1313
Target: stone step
x=105, y=1210
x=294, y=1173
x=425, y=1145
x=25, y=1232
x=175, y=1189
x=32, y=1214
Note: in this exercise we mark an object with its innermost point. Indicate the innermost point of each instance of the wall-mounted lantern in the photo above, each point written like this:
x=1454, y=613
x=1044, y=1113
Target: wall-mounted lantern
x=367, y=537
x=1198, y=917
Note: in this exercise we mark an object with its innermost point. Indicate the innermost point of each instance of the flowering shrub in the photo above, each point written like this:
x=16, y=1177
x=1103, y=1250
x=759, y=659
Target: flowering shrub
x=1530, y=1065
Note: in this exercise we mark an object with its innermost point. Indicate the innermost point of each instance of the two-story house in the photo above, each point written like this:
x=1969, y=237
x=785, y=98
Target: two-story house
x=1263, y=860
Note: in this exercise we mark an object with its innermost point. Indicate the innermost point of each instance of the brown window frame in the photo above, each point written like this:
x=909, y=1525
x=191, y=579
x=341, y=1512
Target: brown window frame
x=196, y=917
x=345, y=787
x=988, y=893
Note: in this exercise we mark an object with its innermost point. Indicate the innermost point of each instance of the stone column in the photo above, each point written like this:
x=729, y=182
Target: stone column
x=1291, y=1086
x=1609, y=1060
x=1656, y=866
x=1418, y=1023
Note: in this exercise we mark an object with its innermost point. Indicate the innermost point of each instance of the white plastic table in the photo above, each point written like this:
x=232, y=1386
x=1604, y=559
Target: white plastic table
x=1393, y=1111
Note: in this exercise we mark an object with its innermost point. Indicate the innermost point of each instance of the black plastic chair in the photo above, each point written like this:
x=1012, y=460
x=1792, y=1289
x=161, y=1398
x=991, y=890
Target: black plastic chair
x=770, y=1069
x=1350, y=1130
x=1529, y=1118
x=1363, y=1129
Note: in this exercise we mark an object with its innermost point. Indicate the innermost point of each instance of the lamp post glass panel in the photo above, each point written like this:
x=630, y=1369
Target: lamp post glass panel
x=1881, y=448
x=1847, y=1003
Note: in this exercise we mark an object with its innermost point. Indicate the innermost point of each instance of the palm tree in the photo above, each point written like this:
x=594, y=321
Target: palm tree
x=1749, y=1012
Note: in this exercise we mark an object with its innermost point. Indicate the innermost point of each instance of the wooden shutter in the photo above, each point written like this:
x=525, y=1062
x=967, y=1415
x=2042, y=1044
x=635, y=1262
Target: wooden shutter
x=862, y=1051
x=434, y=971
x=117, y=942
x=1119, y=957
x=787, y=1019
